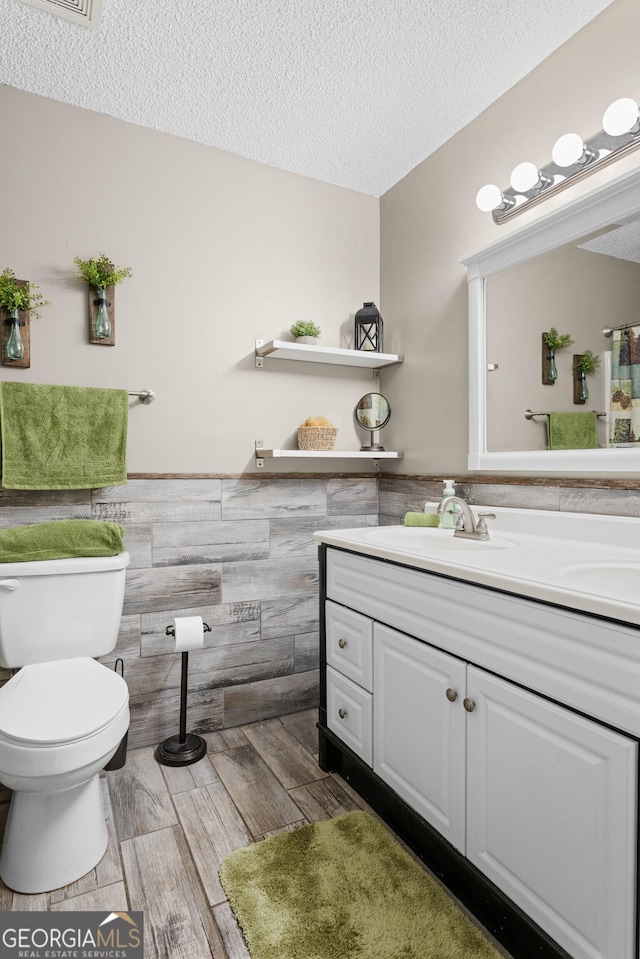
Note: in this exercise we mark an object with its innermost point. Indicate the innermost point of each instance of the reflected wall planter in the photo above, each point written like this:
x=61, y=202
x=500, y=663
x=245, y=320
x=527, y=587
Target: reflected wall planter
x=102, y=331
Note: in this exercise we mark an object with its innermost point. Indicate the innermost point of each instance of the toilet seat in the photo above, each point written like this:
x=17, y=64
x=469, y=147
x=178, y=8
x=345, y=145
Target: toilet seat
x=51, y=704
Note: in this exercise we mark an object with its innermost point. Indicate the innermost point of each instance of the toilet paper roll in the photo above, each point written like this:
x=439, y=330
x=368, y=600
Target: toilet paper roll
x=188, y=633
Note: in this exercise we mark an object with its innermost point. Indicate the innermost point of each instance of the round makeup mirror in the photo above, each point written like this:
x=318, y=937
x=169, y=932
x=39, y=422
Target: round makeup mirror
x=372, y=413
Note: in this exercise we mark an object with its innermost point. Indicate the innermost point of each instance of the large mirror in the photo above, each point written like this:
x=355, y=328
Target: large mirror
x=577, y=270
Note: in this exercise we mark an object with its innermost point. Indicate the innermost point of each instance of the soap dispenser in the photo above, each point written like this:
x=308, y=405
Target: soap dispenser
x=449, y=517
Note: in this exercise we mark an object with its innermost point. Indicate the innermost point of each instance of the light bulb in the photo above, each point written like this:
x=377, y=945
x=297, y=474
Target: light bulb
x=488, y=198
x=525, y=177
x=570, y=149
x=621, y=117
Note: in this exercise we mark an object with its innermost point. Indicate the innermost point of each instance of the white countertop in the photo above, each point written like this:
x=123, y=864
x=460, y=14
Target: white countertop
x=585, y=562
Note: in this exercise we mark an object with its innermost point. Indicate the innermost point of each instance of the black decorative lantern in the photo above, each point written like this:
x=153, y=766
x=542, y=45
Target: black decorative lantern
x=368, y=328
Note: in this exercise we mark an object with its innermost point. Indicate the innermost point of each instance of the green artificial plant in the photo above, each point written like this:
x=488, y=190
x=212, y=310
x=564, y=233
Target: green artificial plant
x=20, y=296
x=100, y=272
x=304, y=328
x=557, y=341
x=588, y=362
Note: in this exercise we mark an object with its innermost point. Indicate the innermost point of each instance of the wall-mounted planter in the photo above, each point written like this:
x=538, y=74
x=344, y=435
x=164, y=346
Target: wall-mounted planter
x=101, y=277
x=579, y=382
x=14, y=324
x=549, y=370
x=102, y=318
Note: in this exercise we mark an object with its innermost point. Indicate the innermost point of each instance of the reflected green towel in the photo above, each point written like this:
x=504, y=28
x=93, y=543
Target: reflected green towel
x=60, y=539
x=573, y=431
x=421, y=519
x=63, y=437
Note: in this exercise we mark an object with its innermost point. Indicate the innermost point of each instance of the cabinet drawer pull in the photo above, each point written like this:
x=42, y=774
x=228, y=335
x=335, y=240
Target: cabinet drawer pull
x=469, y=705
x=342, y=643
x=451, y=695
x=342, y=713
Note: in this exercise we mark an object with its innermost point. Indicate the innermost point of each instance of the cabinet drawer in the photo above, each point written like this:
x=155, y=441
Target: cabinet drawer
x=350, y=644
x=350, y=714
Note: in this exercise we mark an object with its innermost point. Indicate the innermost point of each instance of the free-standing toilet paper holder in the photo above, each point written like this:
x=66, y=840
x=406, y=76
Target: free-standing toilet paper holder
x=186, y=748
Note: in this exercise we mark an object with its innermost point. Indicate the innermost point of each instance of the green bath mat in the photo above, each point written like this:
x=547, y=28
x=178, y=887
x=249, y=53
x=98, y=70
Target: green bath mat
x=344, y=889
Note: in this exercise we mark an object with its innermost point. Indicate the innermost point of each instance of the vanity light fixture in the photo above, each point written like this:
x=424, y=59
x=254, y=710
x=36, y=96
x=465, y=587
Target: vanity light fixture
x=572, y=158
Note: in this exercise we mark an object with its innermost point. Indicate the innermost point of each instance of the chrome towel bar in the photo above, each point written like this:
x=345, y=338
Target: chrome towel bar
x=529, y=414
x=145, y=396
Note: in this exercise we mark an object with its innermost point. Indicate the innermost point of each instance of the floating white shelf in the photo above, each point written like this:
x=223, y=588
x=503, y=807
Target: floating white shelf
x=373, y=456
x=329, y=454
x=289, y=350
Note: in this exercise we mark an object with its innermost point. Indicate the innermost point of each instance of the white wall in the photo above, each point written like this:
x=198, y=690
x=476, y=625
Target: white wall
x=429, y=220
x=223, y=251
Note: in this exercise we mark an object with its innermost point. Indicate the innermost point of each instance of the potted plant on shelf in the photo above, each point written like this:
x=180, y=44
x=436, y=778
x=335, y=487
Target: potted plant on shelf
x=305, y=332
x=554, y=342
x=587, y=362
x=17, y=296
x=101, y=275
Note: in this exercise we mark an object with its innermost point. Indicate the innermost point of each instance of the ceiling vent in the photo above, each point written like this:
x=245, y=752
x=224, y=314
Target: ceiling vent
x=86, y=12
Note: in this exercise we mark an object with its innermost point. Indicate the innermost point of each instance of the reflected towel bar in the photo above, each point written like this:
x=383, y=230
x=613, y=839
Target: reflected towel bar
x=610, y=330
x=145, y=396
x=529, y=414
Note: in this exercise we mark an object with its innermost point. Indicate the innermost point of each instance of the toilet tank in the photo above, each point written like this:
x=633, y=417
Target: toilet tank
x=60, y=608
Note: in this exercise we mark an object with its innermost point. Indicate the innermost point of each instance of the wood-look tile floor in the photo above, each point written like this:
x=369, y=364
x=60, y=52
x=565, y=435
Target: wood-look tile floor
x=171, y=827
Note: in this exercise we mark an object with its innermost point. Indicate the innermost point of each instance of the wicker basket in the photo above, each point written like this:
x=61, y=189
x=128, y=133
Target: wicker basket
x=316, y=437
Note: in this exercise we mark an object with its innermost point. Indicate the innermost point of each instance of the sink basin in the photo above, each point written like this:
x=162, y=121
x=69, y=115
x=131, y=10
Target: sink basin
x=618, y=580
x=432, y=540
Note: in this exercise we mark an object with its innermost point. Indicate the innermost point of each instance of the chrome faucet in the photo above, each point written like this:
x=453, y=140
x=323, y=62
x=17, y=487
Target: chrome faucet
x=466, y=527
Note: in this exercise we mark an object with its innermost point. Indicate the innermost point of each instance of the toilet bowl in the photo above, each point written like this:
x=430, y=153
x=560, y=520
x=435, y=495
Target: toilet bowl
x=60, y=723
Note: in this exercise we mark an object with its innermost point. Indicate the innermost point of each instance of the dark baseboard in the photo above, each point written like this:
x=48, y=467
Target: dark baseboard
x=522, y=938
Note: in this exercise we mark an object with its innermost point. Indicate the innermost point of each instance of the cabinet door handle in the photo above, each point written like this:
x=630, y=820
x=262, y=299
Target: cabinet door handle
x=342, y=713
x=451, y=695
x=342, y=643
x=468, y=704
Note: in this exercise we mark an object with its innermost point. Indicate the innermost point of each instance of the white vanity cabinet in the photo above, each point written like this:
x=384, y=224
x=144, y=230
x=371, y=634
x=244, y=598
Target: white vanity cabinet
x=540, y=798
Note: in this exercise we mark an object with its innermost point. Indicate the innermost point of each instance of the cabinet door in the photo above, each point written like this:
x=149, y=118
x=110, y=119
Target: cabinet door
x=551, y=815
x=418, y=733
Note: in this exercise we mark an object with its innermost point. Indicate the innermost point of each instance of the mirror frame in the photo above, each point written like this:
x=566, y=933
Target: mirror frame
x=381, y=423
x=617, y=199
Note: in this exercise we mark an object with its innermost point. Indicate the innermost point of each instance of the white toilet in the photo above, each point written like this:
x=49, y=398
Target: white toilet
x=62, y=716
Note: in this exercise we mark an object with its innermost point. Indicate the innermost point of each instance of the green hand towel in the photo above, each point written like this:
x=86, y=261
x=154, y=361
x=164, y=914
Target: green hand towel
x=421, y=519
x=62, y=437
x=60, y=539
x=573, y=431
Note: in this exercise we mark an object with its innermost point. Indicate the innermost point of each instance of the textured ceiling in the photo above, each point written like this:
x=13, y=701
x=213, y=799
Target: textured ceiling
x=354, y=92
x=623, y=242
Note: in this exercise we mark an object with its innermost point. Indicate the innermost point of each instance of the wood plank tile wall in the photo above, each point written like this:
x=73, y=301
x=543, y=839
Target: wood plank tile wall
x=398, y=494
x=239, y=553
